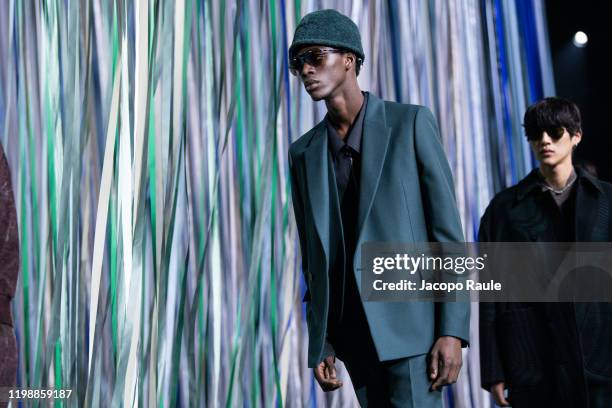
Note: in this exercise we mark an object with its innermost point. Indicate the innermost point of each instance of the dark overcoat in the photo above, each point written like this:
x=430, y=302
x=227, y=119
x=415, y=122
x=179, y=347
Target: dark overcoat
x=544, y=352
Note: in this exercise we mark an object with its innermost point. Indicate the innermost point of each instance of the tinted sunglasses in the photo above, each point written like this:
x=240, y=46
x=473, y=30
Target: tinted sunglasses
x=554, y=133
x=313, y=57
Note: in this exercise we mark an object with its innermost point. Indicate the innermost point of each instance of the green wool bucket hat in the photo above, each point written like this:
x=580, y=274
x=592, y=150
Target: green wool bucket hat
x=327, y=27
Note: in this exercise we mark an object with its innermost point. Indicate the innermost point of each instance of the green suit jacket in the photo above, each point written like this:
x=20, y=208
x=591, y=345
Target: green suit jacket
x=406, y=195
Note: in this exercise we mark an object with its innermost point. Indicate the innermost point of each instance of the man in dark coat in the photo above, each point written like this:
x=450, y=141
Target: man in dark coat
x=371, y=171
x=9, y=264
x=549, y=354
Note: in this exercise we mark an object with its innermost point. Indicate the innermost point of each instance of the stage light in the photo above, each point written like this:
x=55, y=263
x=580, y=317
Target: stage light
x=580, y=39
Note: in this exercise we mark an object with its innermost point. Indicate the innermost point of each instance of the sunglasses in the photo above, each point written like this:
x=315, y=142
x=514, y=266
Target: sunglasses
x=313, y=57
x=554, y=133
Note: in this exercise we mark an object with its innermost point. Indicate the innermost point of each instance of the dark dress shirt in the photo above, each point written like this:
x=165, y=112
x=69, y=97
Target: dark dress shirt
x=346, y=315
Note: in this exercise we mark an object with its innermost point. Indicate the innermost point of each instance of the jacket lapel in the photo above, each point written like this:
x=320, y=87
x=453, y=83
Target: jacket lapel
x=591, y=211
x=317, y=180
x=375, y=140
x=586, y=211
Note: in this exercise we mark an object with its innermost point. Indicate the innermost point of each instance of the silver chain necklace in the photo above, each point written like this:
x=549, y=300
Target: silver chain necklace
x=563, y=189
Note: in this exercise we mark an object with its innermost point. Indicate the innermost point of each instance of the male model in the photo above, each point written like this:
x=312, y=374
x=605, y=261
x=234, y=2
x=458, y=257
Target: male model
x=371, y=171
x=549, y=354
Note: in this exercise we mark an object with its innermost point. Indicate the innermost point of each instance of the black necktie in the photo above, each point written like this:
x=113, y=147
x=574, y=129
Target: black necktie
x=345, y=162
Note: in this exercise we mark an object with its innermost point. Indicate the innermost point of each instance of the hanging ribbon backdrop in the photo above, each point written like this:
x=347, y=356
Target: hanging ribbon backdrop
x=148, y=144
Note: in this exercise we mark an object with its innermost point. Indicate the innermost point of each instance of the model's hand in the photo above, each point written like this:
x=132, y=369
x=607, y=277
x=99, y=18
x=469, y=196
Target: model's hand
x=498, y=394
x=325, y=373
x=445, y=362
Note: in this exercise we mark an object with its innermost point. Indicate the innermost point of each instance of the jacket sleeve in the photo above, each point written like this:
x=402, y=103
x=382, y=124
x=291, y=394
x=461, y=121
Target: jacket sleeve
x=298, y=210
x=491, y=369
x=442, y=216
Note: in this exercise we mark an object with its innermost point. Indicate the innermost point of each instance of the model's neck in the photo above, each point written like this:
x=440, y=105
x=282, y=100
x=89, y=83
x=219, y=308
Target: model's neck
x=344, y=107
x=557, y=176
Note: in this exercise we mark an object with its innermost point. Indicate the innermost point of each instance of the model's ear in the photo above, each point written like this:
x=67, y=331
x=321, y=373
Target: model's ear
x=349, y=60
x=576, y=138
